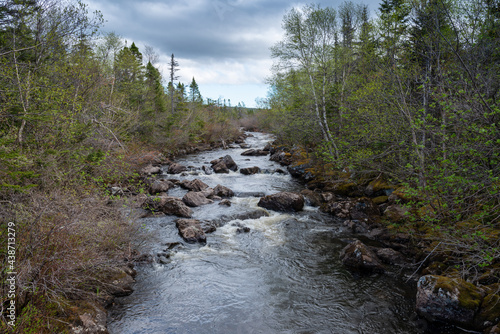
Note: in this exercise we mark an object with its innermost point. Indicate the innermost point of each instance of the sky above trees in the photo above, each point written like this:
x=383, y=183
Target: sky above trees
x=224, y=44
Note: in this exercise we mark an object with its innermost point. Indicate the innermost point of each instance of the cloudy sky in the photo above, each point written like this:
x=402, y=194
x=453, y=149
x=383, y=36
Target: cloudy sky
x=223, y=44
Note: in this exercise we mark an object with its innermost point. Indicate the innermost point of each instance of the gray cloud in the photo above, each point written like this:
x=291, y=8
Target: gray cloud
x=216, y=41
x=197, y=29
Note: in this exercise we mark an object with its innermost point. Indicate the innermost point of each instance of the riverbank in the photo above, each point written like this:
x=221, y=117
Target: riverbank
x=457, y=283
x=76, y=236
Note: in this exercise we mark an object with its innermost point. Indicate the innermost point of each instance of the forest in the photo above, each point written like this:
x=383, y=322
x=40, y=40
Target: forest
x=80, y=111
x=408, y=94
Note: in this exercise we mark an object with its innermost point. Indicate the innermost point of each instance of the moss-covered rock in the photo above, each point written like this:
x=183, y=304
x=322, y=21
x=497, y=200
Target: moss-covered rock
x=380, y=200
x=489, y=313
x=451, y=300
x=346, y=188
x=396, y=213
x=379, y=187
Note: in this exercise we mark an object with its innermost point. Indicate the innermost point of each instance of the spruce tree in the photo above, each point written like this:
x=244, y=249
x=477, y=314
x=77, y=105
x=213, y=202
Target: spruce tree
x=194, y=92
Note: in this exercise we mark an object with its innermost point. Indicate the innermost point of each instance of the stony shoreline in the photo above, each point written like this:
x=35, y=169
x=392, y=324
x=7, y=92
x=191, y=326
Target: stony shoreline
x=368, y=203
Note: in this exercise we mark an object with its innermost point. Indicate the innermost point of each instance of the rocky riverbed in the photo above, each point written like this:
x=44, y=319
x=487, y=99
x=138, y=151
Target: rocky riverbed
x=214, y=213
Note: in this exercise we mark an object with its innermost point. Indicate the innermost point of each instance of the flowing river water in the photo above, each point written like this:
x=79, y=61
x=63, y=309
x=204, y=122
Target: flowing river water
x=284, y=276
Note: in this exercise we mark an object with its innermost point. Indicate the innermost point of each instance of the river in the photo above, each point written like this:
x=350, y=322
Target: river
x=284, y=276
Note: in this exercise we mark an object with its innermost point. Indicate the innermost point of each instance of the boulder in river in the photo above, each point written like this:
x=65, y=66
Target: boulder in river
x=168, y=205
x=194, y=185
x=225, y=202
x=206, y=169
x=176, y=168
x=229, y=162
x=358, y=256
x=223, y=192
x=250, y=170
x=253, y=152
x=195, y=198
x=191, y=231
x=220, y=167
x=451, y=300
x=282, y=201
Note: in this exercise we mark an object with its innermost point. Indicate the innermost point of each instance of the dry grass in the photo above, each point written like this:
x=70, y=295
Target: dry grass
x=64, y=238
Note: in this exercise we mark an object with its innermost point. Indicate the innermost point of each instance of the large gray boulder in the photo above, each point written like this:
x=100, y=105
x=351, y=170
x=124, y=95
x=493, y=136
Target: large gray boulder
x=283, y=201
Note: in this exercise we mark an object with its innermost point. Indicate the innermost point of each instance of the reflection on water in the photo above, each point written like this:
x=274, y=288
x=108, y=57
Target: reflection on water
x=284, y=276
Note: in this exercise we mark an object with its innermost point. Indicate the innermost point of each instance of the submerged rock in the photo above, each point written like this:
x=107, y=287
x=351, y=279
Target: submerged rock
x=250, y=170
x=207, y=170
x=225, y=202
x=283, y=201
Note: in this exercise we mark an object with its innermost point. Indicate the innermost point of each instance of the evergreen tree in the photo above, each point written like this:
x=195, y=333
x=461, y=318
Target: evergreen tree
x=129, y=74
x=194, y=93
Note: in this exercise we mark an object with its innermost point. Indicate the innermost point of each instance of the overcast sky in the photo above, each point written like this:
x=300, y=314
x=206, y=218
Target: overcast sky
x=223, y=44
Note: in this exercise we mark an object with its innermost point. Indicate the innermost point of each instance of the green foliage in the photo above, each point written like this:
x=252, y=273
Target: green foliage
x=412, y=94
